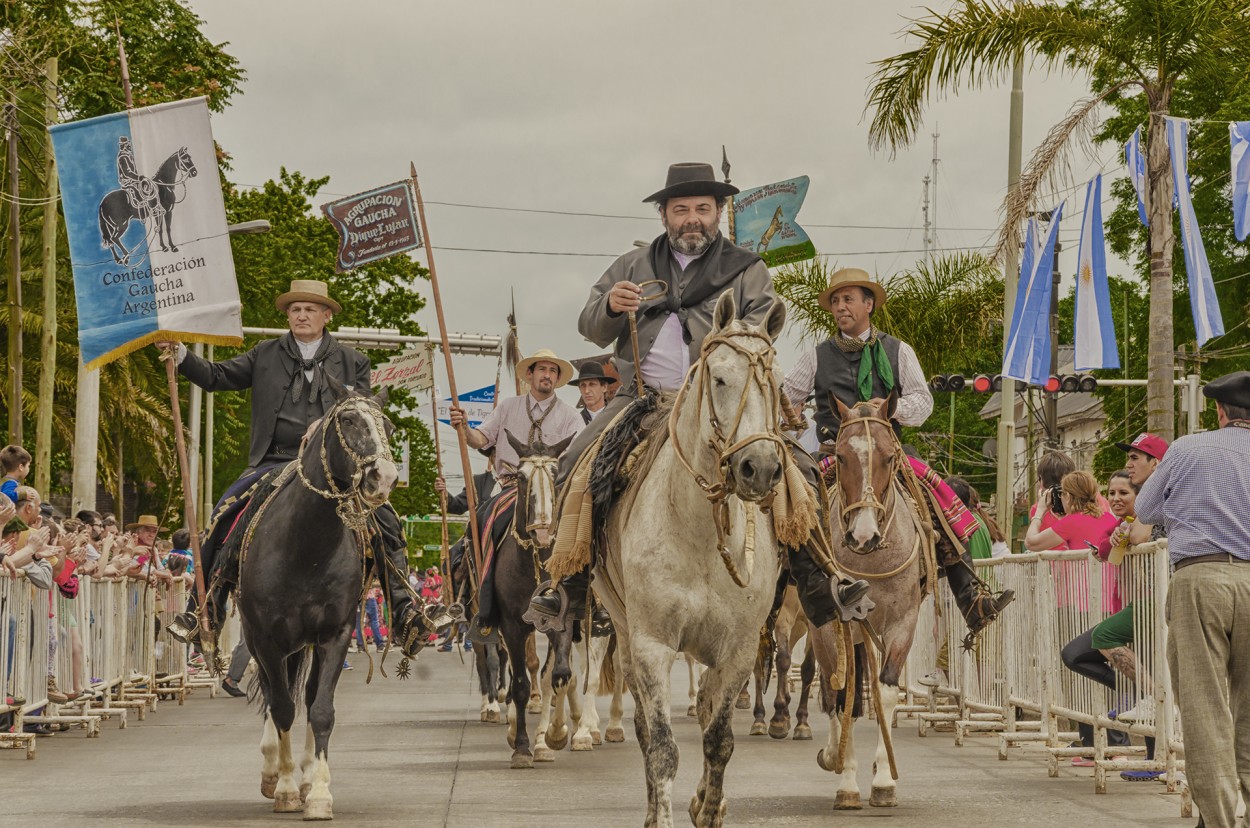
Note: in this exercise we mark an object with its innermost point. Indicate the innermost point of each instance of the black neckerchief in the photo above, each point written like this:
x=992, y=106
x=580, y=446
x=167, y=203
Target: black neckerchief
x=320, y=383
x=708, y=275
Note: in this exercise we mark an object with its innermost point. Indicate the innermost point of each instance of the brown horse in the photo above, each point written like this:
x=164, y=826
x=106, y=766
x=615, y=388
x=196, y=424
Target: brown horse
x=879, y=535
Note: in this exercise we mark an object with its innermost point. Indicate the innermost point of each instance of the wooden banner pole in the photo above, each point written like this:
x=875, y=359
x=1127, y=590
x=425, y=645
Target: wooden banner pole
x=461, y=432
x=170, y=356
x=449, y=586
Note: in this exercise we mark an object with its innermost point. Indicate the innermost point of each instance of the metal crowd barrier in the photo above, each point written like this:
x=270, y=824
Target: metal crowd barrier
x=107, y=646
x=1014, y=683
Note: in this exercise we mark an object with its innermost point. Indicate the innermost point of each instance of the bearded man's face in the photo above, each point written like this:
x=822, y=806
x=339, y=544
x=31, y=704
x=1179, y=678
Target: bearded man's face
x=692, y=222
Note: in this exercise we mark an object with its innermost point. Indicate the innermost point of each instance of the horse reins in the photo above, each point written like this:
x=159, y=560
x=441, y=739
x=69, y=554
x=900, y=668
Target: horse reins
x=869, y=499
x=350, y=507
x=762, y=377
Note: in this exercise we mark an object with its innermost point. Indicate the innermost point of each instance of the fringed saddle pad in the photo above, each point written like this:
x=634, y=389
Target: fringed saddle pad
x=602, y=474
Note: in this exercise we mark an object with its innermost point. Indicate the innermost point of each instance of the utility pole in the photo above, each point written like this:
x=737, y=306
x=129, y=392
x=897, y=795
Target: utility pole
x=47, y=344
x=928, y=238
x=1005, y=494
x=15, y=282
x=933, y=173
x=1052, y=399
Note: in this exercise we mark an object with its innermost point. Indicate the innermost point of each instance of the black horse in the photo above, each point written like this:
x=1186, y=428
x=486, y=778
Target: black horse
x=301, y=576
x=117, y=210
x=515, y=577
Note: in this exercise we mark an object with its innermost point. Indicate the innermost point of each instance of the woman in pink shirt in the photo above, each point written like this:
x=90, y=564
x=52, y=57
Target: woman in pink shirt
x=1085, y=524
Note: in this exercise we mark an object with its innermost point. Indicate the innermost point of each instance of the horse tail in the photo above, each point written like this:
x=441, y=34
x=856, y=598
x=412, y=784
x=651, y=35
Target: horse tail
x=607, y=672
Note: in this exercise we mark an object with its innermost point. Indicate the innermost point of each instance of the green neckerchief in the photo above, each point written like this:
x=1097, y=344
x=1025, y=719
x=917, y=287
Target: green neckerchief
x=874, y=358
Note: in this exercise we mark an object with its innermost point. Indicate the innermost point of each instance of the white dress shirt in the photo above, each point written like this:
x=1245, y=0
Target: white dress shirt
x=915, y=402
x=666, y=365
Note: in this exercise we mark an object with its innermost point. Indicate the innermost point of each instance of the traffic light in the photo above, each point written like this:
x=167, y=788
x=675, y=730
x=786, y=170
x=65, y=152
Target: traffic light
x=1070, y=383
x=982, y=383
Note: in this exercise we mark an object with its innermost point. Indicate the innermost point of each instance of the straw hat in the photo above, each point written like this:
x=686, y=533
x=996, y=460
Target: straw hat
x=546, y=355
x=308, y=290
x=852, y=277
x=148, y=521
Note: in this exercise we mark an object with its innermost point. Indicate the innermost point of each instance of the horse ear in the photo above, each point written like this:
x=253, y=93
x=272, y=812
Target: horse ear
x=726, y=311
x=843, y=411
x=891, y=405
x=560, y=447
x=383, y=397
x=775, y=320
x=520, y=448
x=339, y=391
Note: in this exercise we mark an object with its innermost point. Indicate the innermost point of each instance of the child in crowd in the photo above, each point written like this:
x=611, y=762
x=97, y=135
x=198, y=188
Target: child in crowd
x=15, y=464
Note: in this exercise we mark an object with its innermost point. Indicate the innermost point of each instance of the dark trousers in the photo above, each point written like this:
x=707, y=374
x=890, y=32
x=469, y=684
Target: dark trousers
x=1081, y=657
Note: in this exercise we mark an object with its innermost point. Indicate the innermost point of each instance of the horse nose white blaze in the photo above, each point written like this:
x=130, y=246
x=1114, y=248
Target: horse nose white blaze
x=864, y=526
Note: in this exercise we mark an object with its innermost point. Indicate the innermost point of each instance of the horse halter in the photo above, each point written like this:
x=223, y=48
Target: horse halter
x=541, y=465
x=351, y=506
x=762, y=377
x=869, y=499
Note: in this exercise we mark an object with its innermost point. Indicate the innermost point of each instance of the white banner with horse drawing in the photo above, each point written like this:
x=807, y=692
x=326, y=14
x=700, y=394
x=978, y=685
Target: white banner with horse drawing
x=147, y=230
x=764, y=222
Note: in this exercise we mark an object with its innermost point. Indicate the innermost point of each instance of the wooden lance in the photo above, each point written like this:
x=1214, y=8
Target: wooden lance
x=449, y=586
x=461, y=431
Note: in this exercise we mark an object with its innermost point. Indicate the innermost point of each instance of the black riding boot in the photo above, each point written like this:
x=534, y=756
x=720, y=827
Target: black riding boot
x=976, y=603
x=576, y=590
x=410, y=625
x=821, y=601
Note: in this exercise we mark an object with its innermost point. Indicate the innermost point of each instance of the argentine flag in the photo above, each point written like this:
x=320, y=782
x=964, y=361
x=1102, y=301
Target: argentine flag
x=147, y=230
x=1239, y=133
x=1136, y=163
x=1095, y=329
x=1027, y=356
x=1208, y=322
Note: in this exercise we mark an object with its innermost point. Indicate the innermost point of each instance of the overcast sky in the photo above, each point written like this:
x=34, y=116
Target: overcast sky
x=580, y=107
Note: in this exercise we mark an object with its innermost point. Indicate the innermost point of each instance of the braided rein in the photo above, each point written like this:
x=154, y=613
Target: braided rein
x=350, y=505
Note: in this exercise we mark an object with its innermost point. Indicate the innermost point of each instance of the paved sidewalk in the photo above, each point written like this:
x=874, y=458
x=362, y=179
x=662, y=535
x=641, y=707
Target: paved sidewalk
x=414, y=752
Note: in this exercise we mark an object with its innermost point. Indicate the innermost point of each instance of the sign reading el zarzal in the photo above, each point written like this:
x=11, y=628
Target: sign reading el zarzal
x=413, y=370
x=147, y=230
x=374, y=225
x=764, y=222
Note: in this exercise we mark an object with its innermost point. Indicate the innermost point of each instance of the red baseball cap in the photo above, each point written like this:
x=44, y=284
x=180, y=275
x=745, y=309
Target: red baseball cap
x=1149, y=444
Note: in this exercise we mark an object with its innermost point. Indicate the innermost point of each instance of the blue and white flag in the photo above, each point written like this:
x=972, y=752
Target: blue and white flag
x=1135, y=160
x=1239, y=132
x=1203, y=302
x=1027, y=356
x=1095, y=328
x=147, y=230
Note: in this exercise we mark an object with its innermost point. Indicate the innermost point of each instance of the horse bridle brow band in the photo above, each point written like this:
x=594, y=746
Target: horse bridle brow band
x=869, y=496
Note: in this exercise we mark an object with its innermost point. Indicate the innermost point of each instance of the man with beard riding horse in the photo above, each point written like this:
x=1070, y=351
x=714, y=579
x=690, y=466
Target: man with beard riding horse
x=291, y=379
x=862, y=364
x=539, y=414
x=697, y=264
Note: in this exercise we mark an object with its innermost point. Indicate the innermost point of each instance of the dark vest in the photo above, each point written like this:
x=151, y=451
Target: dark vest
x=837, y=373
x=293, y=419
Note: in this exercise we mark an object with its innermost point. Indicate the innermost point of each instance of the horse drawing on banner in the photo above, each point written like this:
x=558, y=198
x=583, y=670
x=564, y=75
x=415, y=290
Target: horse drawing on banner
x=149, y=201
x=886, y=541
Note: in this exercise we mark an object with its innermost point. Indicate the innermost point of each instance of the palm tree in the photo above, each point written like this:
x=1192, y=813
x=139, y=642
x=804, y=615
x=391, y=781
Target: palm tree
x=1126, y=46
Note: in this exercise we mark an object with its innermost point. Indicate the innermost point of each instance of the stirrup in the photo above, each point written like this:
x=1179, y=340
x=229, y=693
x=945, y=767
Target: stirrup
x=543, y=622
x=602, y=627
x=456, y=612
x=857, y=611
x=485, y=635
x=183, y=627
x=438, y=617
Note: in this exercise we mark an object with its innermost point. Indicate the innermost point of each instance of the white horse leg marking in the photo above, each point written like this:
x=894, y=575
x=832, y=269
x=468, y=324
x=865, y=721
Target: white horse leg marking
x=563, y=702
x=286, y=795
x=616, y=730
x=320, y=804
x=847, y=796
x=883, y=784
x=542, y=753
x=269, y=755
x=693, y=693
x=588, y=734
x=306, y=764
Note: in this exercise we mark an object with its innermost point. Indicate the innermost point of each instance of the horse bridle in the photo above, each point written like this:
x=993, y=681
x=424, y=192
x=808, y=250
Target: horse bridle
x=350, y=507
x=869, y=499
x=718, y=492
x=542, y=465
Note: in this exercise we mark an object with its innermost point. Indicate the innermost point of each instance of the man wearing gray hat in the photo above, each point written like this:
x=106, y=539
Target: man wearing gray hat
x=1201, y=492
x=697, y=265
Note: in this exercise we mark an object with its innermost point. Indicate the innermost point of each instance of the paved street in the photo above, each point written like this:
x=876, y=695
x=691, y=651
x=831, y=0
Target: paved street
x=414, y=752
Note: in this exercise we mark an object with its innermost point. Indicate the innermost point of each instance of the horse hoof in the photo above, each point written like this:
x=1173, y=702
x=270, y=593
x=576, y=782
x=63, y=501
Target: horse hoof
x=522, y=761
x=534, y=707
x=710, y=820
x=558, y=742
x=779, y=730
x=287, y=802
x=802, y=733
x=268, y=783
x=615, y=734
x=596, y=738
x=492, y=717
x=583, y=743
x=542, y=753
x=743, y=702
x=883, y=798
x=825, y=764
x=304, y=788
x=692, y=711
x=319, y=809
x=758, y=729
x=847, y=801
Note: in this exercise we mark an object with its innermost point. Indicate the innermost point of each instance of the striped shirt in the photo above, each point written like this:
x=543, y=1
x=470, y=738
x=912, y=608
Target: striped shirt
x=1201, y=493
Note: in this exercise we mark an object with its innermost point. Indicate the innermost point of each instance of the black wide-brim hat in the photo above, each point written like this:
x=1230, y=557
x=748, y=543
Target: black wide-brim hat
x=1230, y=389
x=692, y=179
x=593, y=371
